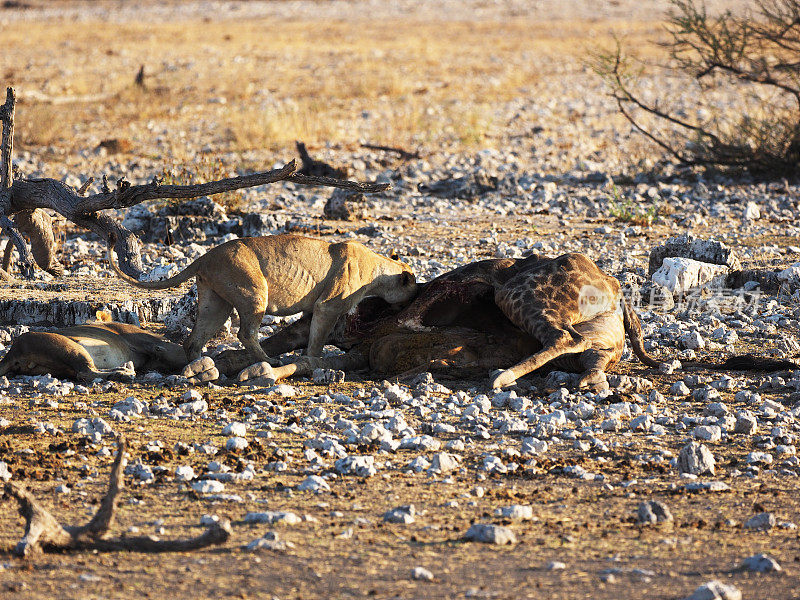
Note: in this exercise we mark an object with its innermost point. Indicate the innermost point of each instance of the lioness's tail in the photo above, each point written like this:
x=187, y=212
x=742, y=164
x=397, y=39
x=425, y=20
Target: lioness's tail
x=151, y=285
x=634, y=330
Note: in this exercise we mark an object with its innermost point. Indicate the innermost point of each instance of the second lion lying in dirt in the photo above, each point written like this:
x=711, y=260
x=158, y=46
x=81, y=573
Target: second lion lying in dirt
x=561, y=313
x=282, y=275
x=100, y=349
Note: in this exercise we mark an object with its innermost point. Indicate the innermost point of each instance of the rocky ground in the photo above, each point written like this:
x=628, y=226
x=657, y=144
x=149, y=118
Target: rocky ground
x=431, y=488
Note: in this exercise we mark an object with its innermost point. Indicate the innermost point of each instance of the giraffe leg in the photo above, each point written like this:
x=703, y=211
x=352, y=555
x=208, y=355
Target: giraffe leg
x=556, y=341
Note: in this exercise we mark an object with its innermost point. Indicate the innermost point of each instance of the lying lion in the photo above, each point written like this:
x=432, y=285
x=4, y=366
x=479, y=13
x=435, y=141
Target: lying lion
x=459, y=324
x=283, y=275
x=100, y=349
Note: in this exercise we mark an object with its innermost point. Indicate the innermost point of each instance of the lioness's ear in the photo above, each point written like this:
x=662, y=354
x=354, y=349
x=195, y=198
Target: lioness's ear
x=394, y=254
x=407, y=278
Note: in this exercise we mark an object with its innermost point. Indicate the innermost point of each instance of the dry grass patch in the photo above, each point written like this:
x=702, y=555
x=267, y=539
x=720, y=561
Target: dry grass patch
x=245, y=85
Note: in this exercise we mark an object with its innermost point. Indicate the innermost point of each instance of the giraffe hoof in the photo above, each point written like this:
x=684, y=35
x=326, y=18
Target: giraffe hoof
x=503, y=379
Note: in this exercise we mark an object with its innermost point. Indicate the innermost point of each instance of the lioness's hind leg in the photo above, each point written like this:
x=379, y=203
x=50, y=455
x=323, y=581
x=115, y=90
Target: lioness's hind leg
x=594, y=363
x=248, y=334
x=212, y=312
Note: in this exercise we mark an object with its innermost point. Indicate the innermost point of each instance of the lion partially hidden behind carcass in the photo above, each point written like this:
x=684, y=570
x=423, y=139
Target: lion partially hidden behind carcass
x=515, y=315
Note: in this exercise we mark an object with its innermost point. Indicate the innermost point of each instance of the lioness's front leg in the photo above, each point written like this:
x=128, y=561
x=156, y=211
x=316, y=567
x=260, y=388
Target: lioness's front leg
x=322, y=321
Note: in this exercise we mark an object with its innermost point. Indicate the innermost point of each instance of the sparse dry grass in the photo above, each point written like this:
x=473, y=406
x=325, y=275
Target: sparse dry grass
x=246, y=85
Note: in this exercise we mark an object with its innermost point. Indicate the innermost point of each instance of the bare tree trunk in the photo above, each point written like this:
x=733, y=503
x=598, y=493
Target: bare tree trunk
x=30, y=195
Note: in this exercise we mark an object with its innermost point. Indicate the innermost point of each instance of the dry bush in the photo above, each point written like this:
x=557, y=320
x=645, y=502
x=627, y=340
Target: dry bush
x=202, y=170
x=739, y=73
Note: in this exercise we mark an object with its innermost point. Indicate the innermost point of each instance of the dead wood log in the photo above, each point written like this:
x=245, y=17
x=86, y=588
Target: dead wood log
x=30, y=194
x=37, y=225
x=313, y=167
x=402, y=154
x=43, y=532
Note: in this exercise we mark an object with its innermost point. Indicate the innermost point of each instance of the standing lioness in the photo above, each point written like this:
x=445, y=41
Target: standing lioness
x=283, y=275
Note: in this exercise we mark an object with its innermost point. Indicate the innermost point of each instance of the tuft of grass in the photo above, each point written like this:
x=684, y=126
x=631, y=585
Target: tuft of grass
x=276, y=127
x=38, y=125
x=204, y=169
x=628, y=211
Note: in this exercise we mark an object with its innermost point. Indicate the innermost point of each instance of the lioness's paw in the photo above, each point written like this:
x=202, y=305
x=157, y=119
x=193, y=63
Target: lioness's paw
x=126, y=373
x=258, y=374
x=503, y=379
x=327, y=376
x=198, y=366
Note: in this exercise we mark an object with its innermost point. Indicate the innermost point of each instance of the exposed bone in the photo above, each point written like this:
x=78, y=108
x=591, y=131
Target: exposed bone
x=43, y=531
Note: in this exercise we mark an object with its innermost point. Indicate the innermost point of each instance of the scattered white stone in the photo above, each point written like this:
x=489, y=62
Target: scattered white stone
x=751, y=212
x=184, y=473
x=761, y=563
x=442, y=462
x=488, y=533
x=746, y=423
x=401, y=514
x=763, y=458
x=679, y=388
x=283, y=390
x=709, y=433
x=141, y=472
x=791, y=275
x=421, y=574
x=326, y=376
x=236, y=443
x=556, y=566
x=269, y=541
x=653, y=511
x=208, y=486
x=5, y=473
x=533, y=446
x=716, y=590
x=515, y=511
x=707, y=486
x=273, y=518
x=680, y=275
x=361, y=466
x=235, y=429
x=692, y=340
x=762, y=521
x=315, y=484
x=696, y=459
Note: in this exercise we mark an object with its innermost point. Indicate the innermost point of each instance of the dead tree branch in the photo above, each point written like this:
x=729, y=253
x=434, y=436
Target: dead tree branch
x=31, y=195
x=44, y=532
x=7, y=119
x=401, y=153
x=755, y=54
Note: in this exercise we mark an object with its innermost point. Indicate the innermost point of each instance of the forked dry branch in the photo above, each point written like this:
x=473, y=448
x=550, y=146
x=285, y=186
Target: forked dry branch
x=22, y=195
x=44, y=532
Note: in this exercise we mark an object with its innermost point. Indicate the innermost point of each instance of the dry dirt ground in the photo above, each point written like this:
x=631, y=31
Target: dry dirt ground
x=473, y=83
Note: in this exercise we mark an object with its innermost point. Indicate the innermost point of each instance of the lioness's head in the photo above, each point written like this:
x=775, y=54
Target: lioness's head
x=402, y=286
